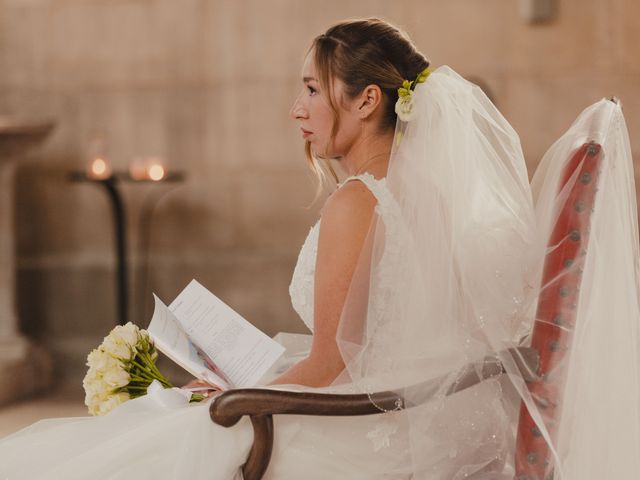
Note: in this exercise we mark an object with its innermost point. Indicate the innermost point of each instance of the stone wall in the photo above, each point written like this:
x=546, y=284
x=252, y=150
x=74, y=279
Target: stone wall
x=207, y=84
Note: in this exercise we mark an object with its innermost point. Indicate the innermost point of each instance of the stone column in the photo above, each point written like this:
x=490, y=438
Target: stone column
x=24, y=367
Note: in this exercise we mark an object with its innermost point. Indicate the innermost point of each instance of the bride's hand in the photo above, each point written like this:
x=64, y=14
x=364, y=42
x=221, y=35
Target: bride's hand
x=202, y=387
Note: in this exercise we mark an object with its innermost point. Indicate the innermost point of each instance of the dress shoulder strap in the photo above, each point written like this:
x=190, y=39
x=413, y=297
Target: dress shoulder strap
x=376, y=186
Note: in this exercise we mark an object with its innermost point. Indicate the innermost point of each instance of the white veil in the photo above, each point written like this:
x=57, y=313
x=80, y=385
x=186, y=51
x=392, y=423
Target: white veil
x=451, y=273
x=445, y=279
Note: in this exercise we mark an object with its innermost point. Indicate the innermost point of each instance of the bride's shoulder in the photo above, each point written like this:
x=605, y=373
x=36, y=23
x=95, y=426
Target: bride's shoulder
x=345, y=220
x=353, y=198
x=346, y=216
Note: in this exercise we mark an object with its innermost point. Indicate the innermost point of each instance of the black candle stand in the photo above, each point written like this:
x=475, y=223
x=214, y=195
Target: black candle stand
x=111, y=186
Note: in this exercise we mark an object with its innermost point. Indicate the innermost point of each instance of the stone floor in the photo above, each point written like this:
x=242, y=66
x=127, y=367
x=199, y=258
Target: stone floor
x=65, y=401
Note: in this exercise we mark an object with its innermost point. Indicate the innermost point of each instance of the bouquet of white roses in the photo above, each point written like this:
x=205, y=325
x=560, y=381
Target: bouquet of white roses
x=121, y=368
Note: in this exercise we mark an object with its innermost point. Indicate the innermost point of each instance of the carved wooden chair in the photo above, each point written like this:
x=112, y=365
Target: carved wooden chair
x=549, y=344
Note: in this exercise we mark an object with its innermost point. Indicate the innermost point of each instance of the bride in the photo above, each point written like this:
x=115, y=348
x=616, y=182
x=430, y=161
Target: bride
x=426, y=258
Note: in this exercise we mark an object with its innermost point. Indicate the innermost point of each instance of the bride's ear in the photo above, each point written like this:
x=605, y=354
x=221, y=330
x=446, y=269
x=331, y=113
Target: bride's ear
x=369, y=100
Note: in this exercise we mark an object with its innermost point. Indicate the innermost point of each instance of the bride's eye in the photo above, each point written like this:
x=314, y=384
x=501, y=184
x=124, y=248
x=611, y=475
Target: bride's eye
x=312, y=90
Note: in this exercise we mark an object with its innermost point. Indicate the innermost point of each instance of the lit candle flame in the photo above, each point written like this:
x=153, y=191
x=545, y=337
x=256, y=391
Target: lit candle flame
x=156, y=172
x=100, y=168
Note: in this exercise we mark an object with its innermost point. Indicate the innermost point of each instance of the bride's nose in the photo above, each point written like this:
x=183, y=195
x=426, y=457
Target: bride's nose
x=297, y=110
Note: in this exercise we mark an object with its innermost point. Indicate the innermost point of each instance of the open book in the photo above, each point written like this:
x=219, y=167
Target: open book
x=207, y=338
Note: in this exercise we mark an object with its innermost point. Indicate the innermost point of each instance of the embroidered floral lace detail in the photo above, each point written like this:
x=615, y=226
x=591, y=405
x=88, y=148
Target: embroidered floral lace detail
x=301, y=287
x=302, y=282
x=380, y=435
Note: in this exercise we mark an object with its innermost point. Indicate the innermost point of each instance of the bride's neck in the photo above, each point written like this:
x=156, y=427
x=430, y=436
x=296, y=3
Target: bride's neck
x=370, y=153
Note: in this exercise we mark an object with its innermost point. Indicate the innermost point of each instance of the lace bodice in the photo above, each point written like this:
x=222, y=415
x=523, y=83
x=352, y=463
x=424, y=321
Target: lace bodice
x=301, y=288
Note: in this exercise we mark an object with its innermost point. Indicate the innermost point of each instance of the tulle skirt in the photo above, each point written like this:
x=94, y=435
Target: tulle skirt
x=163, y=437
x=159, y=436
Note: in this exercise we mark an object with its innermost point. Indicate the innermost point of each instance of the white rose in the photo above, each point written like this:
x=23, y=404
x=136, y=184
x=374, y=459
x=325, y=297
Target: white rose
x=91, y=374
x=121, y=341
x=112, y=402
x=93, y=358
x=102, y=400
x=128, y=334
x=95, y=395
x=91, y=400
x=89, y=380
x=98, y=387
x=99, y=360
x=116, y=347
x=116, y=377
x=94, y=407
x=92, y=380
x=404, y=108
x=90, y=391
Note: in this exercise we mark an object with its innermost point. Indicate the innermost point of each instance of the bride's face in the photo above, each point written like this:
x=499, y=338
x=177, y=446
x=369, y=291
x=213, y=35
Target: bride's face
x=313, y=110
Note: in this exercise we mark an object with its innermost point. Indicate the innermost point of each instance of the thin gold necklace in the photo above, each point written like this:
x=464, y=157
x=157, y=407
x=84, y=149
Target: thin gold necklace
x=368, y=162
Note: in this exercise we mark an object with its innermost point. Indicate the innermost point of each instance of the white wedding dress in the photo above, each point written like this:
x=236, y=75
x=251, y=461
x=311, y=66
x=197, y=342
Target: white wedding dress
x=160, y=436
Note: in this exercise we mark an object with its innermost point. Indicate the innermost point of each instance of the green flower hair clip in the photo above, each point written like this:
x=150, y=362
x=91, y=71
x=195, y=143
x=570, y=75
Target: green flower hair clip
x=404, y=105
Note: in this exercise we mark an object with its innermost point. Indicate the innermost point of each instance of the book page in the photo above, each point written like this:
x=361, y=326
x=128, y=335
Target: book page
x=240, y=350
x=169, y=337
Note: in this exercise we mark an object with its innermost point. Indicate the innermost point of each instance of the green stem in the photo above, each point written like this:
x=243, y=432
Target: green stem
x=147, y=366
x=159, y=376
x=141, y=366
x=136, y=376
x=149, y=361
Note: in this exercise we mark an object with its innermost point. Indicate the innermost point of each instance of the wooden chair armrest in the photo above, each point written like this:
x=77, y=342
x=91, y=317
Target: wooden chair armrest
x=228, y=407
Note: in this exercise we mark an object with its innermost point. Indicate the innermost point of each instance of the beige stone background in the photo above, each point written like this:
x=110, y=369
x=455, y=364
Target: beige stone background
x=207, y=85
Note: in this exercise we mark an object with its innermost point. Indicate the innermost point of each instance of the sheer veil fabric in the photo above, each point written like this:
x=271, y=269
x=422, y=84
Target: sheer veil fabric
x=446, y=278
x=451, y=273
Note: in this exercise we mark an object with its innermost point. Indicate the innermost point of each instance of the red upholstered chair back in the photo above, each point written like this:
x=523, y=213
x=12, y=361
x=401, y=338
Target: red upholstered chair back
x=556, y=313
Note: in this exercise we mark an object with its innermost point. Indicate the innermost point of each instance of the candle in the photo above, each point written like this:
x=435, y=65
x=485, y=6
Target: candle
x=137, y=169
x=99, y=169
x=147, y=168
x=156, y=172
